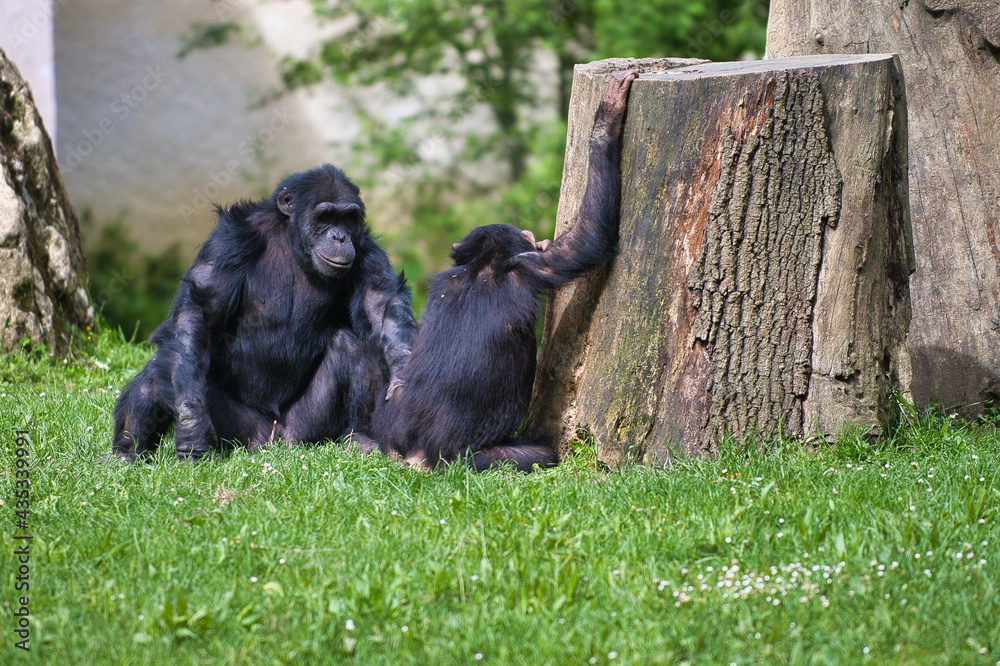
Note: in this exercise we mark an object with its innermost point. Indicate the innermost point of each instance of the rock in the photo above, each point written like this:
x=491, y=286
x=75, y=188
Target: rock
x=43, y=272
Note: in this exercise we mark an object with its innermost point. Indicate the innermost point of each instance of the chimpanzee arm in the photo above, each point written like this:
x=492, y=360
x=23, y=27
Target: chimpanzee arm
x=386, y=304
x=186, y=337
x=593, y=239
x=196, y=436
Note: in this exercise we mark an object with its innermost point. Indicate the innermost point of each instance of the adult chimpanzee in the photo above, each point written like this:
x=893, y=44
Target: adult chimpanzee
x=290, y=323
x=467, y=384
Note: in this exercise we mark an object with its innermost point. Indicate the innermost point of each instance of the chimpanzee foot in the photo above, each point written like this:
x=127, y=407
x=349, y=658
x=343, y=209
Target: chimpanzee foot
x=358, y=442
x=415, y=461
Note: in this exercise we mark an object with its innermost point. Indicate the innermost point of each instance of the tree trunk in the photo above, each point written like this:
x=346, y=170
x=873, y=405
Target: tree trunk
x=42, y=268
x=950, y=53
x=765, y=251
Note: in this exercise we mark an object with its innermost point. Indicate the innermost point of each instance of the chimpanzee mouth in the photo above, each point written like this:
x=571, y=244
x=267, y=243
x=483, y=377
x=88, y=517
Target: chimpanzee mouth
x=335, y=263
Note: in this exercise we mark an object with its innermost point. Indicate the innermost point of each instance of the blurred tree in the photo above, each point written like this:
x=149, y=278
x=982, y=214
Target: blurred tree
x=495, y=48
x=712, y=29
x=514, y=61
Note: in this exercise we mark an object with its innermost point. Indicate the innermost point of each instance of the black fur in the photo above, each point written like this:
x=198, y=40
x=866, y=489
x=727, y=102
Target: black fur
x=289, y=324
x=468, y=382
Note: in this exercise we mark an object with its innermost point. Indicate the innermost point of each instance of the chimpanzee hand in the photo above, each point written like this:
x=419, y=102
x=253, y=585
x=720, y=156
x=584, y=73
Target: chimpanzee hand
x=539, y=245
x=394, y=385
x=611, y=110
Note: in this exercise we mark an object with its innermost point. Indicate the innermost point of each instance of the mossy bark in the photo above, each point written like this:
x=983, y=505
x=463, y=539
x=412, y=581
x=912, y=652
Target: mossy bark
x=759, y=289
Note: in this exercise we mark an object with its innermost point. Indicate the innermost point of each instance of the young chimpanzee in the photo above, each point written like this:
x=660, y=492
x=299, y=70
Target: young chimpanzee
x=467, y=384
x=290, y=323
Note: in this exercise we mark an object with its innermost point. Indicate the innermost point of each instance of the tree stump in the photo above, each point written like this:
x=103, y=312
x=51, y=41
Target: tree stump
x=762, y=284
x=43, y=272
x=950, y=54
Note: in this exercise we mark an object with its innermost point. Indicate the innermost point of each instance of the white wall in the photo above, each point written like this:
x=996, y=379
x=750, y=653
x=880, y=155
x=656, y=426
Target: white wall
x=26, y=36
x=158, y=139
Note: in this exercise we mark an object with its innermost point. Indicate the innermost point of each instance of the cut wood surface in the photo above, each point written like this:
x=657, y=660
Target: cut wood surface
x=950, y=55
x=765, y=252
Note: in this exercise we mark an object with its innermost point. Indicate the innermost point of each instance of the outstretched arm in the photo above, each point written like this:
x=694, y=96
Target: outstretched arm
x=593, y=239
x=386, y=303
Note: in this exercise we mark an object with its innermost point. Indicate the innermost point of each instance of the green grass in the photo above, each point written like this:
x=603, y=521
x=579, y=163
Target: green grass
x=848, y=554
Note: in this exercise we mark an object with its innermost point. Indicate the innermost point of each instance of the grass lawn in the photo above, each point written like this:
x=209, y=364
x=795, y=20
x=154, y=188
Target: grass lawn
x=849, y=554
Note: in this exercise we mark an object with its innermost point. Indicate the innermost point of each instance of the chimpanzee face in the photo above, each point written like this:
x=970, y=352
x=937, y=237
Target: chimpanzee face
x=327, y=217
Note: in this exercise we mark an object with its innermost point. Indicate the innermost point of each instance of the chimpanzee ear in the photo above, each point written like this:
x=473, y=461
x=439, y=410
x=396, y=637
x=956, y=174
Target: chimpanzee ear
x=285, y=202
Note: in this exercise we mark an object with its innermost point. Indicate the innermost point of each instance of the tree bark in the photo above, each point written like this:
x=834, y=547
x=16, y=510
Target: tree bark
x=950, y=54
x=43, y=272
x=765, y=251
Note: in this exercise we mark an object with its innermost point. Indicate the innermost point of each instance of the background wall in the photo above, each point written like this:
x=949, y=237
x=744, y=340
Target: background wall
x=26, y=36
x=154, y=138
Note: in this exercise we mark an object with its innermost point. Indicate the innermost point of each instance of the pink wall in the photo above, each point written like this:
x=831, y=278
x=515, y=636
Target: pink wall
x=26, y=36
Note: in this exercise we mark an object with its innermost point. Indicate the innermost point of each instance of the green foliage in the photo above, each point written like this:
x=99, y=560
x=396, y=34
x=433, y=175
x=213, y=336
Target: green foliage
x=491, y=46
x=769, y=554
x=514, y=116
x=207, y=35
x=131, y=289
x=713, y=29
x=494, y=46
x=442, y=215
